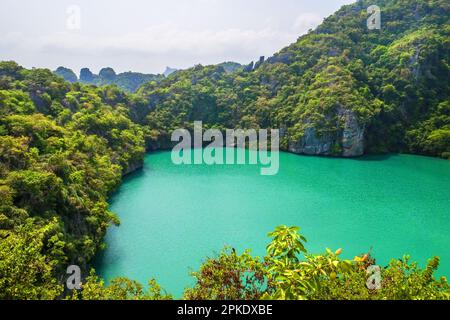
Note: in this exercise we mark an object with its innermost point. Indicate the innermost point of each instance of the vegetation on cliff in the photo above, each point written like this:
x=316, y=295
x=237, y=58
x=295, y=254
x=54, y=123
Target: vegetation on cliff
x=65, y=146
x=127, y=81
x=338, y=86
x=63, y=149
x=289, y=272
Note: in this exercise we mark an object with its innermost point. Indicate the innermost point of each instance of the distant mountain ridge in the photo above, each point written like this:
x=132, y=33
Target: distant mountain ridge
x=169, y=71
x=128, y=81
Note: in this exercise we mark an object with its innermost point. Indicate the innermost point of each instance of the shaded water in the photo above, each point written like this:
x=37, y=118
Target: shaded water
x=172, y=217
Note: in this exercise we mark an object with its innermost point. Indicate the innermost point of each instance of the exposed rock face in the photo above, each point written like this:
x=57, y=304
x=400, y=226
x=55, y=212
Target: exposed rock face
x=311, y=144
x=348, y=142
x=108, y=74
x=281, y=58
x=249, y=67
x=352, y=136
x=231, y=66
x=86, y=75
x=133, y=166
x=169, y=71
x=260, y=62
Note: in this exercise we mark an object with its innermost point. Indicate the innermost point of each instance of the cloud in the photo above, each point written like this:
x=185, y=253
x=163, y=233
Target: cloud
x=181, y=34
x=167, y=38
x=306, y=21
x=164, y=39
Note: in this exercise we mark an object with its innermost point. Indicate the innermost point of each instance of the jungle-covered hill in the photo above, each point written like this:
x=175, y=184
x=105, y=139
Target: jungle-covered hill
x=339, y=90
x=127, y=81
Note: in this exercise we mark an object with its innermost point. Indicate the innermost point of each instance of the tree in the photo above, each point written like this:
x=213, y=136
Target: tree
x=26, y=270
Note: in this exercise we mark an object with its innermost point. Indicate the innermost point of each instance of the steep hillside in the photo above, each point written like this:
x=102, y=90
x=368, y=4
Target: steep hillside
x=341, y=90
x=128, y=81
x=63, y=150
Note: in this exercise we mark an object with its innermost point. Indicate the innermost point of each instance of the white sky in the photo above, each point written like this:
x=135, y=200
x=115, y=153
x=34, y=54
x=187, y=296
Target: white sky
x=148, y=35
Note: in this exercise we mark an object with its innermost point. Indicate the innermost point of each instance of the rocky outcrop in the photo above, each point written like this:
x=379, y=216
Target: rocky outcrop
x=107, y=74
x=169, y=71
x=284, y=57
x=259, y=62
x=312, y=144
x=66, y=74
x=86, y=75
x=133, y=166
x=352, y=135
x=231, y=66
x=249, y=67
x=347, y=142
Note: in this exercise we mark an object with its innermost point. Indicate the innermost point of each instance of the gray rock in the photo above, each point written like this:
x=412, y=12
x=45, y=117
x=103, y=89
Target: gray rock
x=349, y=140
x=169, y=71
x=249, y=67
x=86, y=75
x=352, y=135
x=133, y=166
x=312, y=144
x=66, y=74
x=107, y=74
x=281, y=58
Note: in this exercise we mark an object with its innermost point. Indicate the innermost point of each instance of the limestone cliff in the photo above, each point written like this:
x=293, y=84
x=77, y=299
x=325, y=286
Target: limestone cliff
x=348, y=141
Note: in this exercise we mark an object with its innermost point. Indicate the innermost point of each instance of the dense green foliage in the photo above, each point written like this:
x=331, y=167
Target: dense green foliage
x=65, y=146
x=395, y=80
x=119, y=289
x=284, y=274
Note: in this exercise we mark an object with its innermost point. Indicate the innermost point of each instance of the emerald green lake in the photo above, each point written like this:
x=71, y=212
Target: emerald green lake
x=173, y=216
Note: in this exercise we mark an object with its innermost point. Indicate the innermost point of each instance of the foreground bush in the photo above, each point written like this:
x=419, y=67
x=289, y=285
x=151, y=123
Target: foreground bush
x=288, y=271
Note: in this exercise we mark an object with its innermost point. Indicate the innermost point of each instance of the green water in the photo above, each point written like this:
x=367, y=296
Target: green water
x=175, y=216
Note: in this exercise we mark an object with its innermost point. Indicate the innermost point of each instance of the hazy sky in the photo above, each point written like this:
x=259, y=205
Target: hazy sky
x=148, y=35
